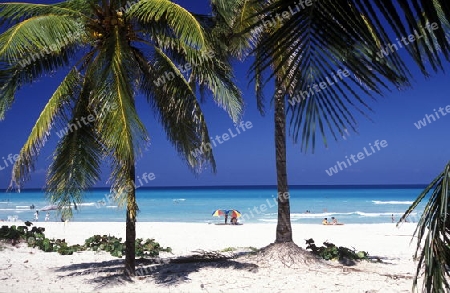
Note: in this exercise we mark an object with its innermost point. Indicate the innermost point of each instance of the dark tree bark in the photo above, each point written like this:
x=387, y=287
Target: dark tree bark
x=284, y=229
x=130, y=238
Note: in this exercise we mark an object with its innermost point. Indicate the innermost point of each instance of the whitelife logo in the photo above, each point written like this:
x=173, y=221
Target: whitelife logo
x=361, y=156
x=208, y=146
x=423, y=123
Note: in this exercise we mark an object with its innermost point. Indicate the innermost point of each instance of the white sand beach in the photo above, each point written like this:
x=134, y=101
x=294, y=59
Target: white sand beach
x=24, y=269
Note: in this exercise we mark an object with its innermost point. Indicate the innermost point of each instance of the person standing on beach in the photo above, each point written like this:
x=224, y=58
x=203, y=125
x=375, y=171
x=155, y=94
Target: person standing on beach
x=226, y=218
x=392, y=218
x=36, y=216
x=47, y=217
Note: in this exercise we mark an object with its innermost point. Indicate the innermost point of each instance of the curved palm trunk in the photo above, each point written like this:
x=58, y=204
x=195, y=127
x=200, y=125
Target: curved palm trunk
x=130, y=238
x=284, y=229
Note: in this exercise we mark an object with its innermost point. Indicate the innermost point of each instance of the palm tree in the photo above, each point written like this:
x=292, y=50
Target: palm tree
x=113, y=51
x=319, y=37
x=319, y=57
x=433, y=232
x=316, y=33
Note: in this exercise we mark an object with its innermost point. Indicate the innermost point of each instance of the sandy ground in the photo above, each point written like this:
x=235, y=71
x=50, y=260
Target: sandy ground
x=24, y=269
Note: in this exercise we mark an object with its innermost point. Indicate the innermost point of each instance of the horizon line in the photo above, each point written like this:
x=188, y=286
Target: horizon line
x=252, y=186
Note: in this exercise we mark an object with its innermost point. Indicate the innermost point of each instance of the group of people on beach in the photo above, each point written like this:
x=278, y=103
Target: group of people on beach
x=333, y=221
x=36, y=216
x=233, y=220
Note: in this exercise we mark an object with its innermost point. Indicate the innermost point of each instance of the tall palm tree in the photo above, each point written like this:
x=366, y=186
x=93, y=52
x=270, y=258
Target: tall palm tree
x=298, y=64
x=114, y=52
x=312, y=36
x=319, y=37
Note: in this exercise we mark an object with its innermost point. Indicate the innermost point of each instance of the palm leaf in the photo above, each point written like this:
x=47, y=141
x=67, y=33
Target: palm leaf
x=432, y=232
x=77, y=158
x=41, y=130
x=343, y=13
x=13, y=77
x=216, y=75
x=181, y=21
x=12, y=13
x=32, y=48
x=41, y=34
x=329, y=37
x=239, y=16
x=178, y=111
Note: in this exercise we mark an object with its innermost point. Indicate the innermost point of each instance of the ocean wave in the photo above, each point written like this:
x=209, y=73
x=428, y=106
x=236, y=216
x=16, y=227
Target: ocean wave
x=312, y=215
x=338, y=214
x=372, y=214
x=87, y=204
x=111, y=207
x=268, y=220
x=391, y=202
x=381, y=214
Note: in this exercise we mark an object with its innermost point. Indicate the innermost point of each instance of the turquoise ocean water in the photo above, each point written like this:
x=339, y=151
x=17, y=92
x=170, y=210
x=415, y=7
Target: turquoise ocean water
x=349, y=204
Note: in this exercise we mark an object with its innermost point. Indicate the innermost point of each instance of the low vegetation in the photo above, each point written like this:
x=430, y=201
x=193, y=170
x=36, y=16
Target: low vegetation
x=229, y=249
x=330, y=251
x=35, y=237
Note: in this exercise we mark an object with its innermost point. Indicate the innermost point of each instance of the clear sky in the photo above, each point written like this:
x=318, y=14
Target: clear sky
x=410, y=155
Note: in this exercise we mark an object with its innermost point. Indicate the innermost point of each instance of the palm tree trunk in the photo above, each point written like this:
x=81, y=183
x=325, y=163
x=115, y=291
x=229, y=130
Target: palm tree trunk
x=130, y=238
x=284, y=229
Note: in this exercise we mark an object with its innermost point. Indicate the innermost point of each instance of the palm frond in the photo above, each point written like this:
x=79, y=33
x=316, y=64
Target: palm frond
x=433, y=231
x=216, y=75
x=236, y=17
x=40, y=35
x=329, y=38
x=120, y=129
x=77, y=158
x=68, y=89
x=181, y=21
x=12, y=77
x=12, y=13
x=208, y=68
x=404, y=19
x=180, y=114
x=32, y=48
x=319, y=39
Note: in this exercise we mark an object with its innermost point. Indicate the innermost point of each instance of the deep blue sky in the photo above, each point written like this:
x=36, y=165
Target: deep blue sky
x=412, y=156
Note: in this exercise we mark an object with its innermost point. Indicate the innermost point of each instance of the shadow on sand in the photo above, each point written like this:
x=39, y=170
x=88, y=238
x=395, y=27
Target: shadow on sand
x=169, y=272
x=176, y=271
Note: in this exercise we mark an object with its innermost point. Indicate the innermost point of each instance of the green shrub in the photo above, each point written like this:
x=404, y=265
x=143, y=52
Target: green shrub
x=35, y=237
x=329, y=251
x=149, y=248
x=228, y=249
x=110, y=244
x=115, y=246
x=11, y=233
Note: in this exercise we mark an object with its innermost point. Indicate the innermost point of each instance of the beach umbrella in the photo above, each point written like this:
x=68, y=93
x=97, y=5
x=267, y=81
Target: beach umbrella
x=234, y=213
x=218, y=213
